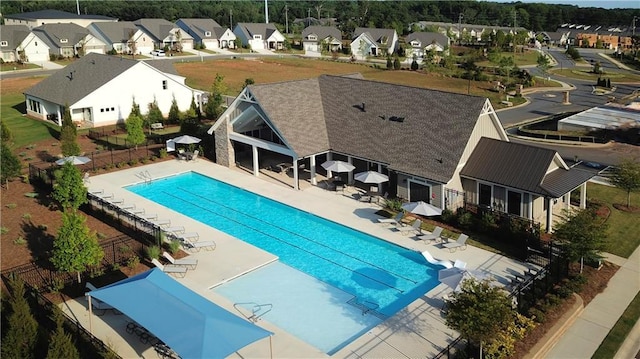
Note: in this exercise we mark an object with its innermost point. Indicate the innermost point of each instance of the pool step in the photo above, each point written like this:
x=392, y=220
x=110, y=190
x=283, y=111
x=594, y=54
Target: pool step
x=366, y=307
x=256, y=310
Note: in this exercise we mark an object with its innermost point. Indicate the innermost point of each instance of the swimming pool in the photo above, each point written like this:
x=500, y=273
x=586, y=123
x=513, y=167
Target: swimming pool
x=362, y=273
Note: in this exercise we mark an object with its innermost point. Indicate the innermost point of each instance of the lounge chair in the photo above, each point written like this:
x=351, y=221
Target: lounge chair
x=170, y=268
x=182, y=155
x=392, y=221
x=86, y=179
x=174, y=230
x=197, y=246
x=443, y=262
x=433, y=236
x=193, y=236
x=194, y=157
x=461, y=243
x=185, y=262
x=161, y=222
x=413, y=228
x=459, y=264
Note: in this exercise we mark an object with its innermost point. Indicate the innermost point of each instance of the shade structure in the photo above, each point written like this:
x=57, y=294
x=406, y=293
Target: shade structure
x=338, y=166
x=76, y=160
x=186, y=140
x=453, y=277
x=371, y=177
x=191, y=325
x=422, y=208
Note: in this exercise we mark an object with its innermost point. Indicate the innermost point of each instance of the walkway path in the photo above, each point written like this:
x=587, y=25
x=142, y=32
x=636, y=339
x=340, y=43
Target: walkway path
x=584, y=336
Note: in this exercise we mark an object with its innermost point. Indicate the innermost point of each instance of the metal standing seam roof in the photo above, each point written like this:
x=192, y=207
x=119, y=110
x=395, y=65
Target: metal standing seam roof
x=605, y=117
x=13, y=35
x=325, y=114
x=503, y=163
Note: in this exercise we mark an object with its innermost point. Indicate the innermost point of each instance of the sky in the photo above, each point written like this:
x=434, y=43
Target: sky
x=607, y=4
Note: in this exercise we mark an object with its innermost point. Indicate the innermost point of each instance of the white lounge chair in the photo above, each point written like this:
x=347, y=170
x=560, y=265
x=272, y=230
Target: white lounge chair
x=174, y=230
x=443, y=262
x=391, y=221
x=461, y=243
x=185, y=262
x=433, y=236
x=413, y=228
x=181, y=155
x=160, y=222
x=197, y=246
x=459, y=264
x=170, y=268
x=192, y=236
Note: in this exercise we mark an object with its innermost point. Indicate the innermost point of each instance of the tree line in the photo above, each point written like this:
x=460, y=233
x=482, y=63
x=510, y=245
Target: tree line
x=349, y=14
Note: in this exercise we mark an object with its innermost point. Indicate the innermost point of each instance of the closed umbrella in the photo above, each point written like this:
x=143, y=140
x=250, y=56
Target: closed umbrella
x=422, y=208
x=371, y=177
x=453, y=277
x=186, y=140
x=76, y=160
x=338, y=166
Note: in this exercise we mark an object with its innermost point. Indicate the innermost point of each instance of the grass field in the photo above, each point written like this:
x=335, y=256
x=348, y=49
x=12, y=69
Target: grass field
x=521, y=58
x=612, y=342
x=623, y=226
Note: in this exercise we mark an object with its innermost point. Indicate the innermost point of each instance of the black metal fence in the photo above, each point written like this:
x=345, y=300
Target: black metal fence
x=450, y=350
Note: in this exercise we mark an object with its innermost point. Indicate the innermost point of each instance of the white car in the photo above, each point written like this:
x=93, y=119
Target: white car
x=159, y=53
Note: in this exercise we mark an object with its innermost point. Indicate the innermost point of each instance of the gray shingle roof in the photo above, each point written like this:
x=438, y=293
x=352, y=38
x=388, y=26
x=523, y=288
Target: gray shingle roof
x=81, y=77
x=158, y=28
x=55, y=14
x=116, y=32
x=53, y=34
x=381, y=36
x=427, y=38
x=252, y=28
x=322, y=32
x=13, y=35
x=503, y=163
x=325, y=114
x=200, y=26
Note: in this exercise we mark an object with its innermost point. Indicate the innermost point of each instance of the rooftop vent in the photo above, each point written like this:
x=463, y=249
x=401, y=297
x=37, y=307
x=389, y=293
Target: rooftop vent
x=360, y=107
x=396, y=119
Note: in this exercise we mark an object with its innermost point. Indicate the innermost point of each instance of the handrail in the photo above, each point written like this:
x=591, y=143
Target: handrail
x=257, y=311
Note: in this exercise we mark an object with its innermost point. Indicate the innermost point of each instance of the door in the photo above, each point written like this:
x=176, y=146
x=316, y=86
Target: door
x=419, y=192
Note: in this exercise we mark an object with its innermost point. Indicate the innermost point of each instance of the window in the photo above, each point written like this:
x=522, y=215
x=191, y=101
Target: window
x=35, y=43
x=4, y=43
x=34, y=106
x=164, y=84
x=514, y=203
x=64, y=41
x=484, y=195
x=313, y=37
x=113, y=109
x=257, y=37
x=207, y=33
x=102, y=110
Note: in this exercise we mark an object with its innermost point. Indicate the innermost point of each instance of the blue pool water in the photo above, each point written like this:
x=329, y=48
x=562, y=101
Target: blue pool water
x=351, y=270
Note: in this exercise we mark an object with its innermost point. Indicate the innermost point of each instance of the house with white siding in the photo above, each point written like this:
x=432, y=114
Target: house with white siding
x=373, y=42
x=316, y=39
x=18, y=43
x=121, y=35
x=435, y=155
x=100, y=90
x=37, y=18
x=209, y=33
x=69, y=40
x=165, y=33
x=259, y=36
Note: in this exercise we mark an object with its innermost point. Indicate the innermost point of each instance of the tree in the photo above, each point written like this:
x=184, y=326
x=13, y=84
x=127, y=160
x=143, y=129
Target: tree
x=543, y=62
x=597, y=68
x=69, y=190
x=396, y=63
x=193, y=106
x=583, y=234
x=135, y=132
x=479, y=311
x=135, y=109
x=154, y=115
x=6, y=132
x=68, y=135
x=76, y=247
x=131, y=44
x=249, y=81
x=19, y=341
x=414, y=64
x=60, y=343
x=626, y=176
x=174, y=112
x=389, y=63
x=213, y=108
x=10, y=165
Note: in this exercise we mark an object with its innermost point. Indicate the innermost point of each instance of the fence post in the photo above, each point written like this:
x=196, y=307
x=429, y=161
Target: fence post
x=93, y=162
x=129, y=150
x=111, y=148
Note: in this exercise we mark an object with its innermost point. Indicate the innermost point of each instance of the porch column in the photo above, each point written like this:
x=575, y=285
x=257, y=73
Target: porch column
x=567, y=201
x=442, y=197
x=583, y=196
x=256, y=165
x=312, y=168
x=549, y=214
x=296, y=185
x=350, y=175
x=329, y=158
x=60, y=116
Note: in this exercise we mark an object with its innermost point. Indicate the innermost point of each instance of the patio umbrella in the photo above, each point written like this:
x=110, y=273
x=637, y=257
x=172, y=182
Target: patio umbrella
x=338, y=166
x=186, y=140
x=422, y=208
x=453, y=277
x=76, y=160
x=371, y=177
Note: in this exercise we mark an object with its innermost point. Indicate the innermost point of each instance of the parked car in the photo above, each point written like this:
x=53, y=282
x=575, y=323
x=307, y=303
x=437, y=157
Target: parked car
x=159, y=53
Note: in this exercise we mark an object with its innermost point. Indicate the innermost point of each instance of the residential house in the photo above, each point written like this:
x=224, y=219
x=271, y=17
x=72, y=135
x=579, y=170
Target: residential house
x=259, y=36
x=316, y=39
x=122, y=36
x=468, y=32
x=165, y=33
x=420, y=138
x=420, y=44
x=100, y=90
x=557, y=38
x=18, y=43
x=208, y=33
x=604, y=40
x=69, y=40
x=42, y=17
x=373, y=42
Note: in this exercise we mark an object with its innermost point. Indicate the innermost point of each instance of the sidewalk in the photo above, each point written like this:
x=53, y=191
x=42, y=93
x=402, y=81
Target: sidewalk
x=584, y=336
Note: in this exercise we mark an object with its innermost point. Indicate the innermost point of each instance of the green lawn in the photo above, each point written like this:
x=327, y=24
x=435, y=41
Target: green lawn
x=25, y=131
x=612, y=342
x=10, y=66
x=584, y=74
x=623, y=226
x=521, y=58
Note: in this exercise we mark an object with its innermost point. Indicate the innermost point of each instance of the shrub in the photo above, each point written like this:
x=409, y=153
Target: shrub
x=153, y=158
x=133, y=162
x=133, y=262
x=173, y=246
x=19, y=241
x=488, y=222
x=163, y=153
x=11, y=205
x=537, y=315
x=153, y=252
x=394, y=204
x=4, y=230
x=465, y=219
x=101, y=235
x=448, y=216
x=121, y=164
x=26, y=216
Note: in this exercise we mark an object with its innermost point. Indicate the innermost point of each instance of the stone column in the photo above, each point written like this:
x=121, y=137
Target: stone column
x=256, y=161
x=566, y=98
x=312, y=165
x=583, y=196
x=225, y=154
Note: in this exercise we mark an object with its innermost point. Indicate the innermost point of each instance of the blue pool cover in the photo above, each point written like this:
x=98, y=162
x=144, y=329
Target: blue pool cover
x=188, y=323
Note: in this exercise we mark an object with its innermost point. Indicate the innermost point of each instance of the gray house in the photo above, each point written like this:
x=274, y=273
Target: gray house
x=208, y=33
x=69, y=40
x=316, y=39
x=259, y=36
x=165, y=33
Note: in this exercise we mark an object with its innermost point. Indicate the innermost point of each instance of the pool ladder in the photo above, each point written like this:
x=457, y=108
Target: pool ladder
x=366, y=307
x=257, y=310
x=145, y=175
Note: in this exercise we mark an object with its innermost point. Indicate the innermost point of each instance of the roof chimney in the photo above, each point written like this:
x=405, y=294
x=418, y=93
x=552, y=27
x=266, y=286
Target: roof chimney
x=362, y=108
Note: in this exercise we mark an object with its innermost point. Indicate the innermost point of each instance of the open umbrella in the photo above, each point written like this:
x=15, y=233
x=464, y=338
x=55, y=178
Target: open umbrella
x=371, y=177
x=453, y=277
x=186, y=140
x=422, y=208
x=338, y=166
x=76, y=160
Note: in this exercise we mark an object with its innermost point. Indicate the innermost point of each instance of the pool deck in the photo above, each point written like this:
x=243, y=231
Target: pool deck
x=418, y=330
